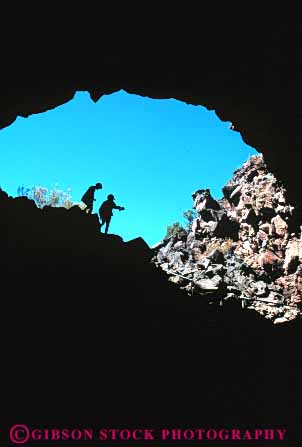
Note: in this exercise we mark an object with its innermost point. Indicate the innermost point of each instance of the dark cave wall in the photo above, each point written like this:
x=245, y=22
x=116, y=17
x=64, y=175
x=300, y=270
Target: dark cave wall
x=248, y=72
x=87, y=372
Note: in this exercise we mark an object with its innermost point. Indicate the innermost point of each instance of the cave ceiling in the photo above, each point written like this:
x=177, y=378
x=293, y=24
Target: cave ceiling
x=250, y=75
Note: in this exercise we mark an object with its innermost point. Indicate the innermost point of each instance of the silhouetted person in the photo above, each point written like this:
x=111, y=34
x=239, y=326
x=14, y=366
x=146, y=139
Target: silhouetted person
x=88, y=197
x=105, y=211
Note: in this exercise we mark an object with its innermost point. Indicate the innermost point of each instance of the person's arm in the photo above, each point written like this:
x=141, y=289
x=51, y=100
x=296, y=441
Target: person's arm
x=117, y=207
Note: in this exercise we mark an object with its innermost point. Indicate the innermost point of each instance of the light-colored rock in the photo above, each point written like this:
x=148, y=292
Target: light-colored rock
x=201, y=206
x=280, y=320
x=206, y=285
x=279, y=226
x=292, y=254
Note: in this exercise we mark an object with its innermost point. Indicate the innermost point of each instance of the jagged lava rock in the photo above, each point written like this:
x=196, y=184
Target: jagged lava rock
x=255, y=231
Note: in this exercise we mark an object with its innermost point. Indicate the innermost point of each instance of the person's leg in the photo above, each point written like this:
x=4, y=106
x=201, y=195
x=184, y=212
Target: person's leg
x=101, y=224
x=89, y=208
x=107, y=225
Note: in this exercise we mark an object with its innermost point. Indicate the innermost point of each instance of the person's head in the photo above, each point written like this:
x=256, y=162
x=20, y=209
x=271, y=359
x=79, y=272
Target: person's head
x=99, y=186
x=110, y=197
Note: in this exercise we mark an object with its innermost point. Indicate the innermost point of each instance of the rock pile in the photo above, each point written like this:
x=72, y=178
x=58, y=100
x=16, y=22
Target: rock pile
x=246, y=246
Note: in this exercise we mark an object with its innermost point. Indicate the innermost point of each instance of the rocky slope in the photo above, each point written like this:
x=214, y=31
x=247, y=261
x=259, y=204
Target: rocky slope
x=246, y=246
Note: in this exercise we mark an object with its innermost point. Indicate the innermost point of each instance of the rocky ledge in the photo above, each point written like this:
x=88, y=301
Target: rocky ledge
x=246, y=246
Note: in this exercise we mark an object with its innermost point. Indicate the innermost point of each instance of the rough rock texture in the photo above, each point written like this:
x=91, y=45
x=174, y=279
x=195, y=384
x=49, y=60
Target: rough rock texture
x=245, y=246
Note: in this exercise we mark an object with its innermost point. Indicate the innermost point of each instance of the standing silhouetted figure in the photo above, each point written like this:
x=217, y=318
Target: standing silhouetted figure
x=105, y=211
x=88, y=197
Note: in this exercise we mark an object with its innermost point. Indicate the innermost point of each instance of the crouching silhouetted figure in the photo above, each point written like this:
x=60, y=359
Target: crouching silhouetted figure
x=105, y=211
x=88, y=197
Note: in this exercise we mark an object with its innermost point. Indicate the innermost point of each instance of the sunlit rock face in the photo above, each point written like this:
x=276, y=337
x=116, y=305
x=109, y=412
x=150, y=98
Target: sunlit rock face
x=246, y=246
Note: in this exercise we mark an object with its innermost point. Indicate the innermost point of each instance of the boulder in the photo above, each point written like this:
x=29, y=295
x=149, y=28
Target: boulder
x=279, y=226
x=206, y=285
x=216, y=256
x=292, y=255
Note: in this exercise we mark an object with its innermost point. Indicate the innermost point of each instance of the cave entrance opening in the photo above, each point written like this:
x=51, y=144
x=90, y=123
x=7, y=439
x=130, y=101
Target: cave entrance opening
x=152, y=154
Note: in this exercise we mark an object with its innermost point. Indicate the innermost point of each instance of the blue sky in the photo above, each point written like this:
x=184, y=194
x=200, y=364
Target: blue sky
x=151, y=154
